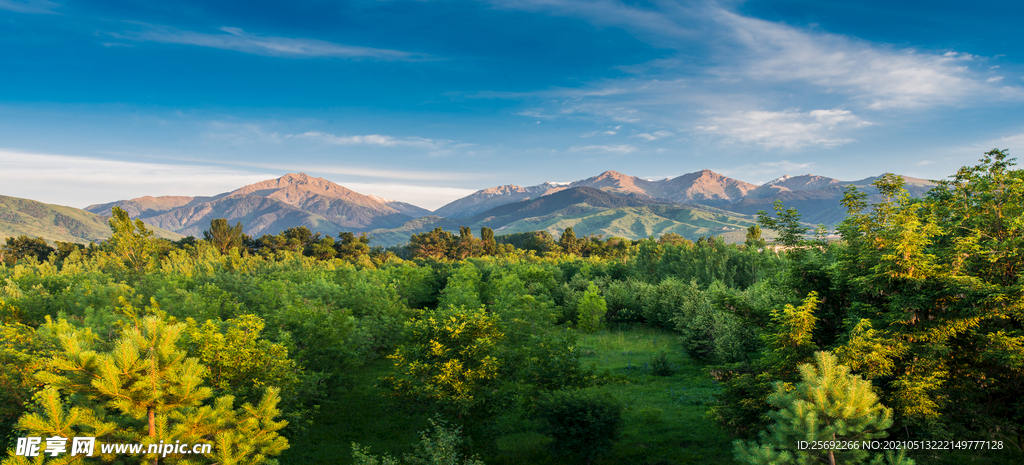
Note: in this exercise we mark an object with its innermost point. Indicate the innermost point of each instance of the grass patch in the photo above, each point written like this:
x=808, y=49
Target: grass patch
x=358, y=411
x=664, y=420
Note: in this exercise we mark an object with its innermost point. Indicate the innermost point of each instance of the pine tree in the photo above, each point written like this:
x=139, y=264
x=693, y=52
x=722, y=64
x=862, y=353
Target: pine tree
x=145, y=390
x=829, y=404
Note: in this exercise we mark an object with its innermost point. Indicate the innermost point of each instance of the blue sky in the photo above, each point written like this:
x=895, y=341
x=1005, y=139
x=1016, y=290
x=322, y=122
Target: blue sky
x=427, y=101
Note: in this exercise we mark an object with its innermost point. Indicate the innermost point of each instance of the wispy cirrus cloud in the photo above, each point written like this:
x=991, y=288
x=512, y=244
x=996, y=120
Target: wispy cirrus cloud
x=751, y=172
x=54, y=178
x=613, y=149
x=790, y=129
x=654, y=136
x=880, y=76
x=39, y=7
x=254, y=133
x=372, y=139
x=236, y=39
x=653, y=22
x=749, y=73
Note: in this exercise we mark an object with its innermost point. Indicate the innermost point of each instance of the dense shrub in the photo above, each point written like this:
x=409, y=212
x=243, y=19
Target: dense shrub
x=583, y=425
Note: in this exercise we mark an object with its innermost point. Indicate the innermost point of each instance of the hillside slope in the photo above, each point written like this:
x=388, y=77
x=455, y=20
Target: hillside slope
x=56, y=223
x=588, y=211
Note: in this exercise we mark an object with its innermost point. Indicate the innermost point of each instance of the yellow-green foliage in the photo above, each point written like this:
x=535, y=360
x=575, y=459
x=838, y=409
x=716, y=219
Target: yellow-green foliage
x=237, y=357
x=449, y=356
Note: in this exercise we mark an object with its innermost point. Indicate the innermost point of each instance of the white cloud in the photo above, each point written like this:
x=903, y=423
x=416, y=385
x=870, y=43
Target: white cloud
x=619, y=149
x=81, y=181
x=994, y=79
x=84, y=181
x=243, y=133
x=764, y=170
x=372, y=139
x=789, y=129
x=654, y=136
x=657, y=25
x=1013, y=142
x=881, y=76
x=429, y=197
x=925, y=163
x=236, y=39
x=417, y=175
x=44, y=7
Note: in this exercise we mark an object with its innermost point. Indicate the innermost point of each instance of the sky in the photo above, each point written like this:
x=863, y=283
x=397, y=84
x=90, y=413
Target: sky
x=428, y=101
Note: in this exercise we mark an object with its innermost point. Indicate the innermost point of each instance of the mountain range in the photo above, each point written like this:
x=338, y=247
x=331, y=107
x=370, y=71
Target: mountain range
x=271, y=206
x=695, y=204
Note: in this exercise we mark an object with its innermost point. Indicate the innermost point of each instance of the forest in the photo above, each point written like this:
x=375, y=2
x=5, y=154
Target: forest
x=900, y=342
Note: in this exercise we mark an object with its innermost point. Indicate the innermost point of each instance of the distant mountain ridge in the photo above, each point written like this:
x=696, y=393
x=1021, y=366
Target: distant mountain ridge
x=271, y=206
x=704, y=187
x=816, y=197
x=297, y=199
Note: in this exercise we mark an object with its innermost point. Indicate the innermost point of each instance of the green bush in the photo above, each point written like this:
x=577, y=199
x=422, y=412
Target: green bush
x=625, y=300
x=669, y=300
x=650, y=415
x=660, y=365
x=583, y=425
x=442, y=446
x=591, y=310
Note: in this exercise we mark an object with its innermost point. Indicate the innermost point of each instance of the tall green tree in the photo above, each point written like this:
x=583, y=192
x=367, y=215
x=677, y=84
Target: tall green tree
x=351, y=247
x=487, y=238
x=786, y=222
x=434, y=244
x=754, y=237
x=223, y=236
x=569, y=243
x=934, y=286
x=131, y=241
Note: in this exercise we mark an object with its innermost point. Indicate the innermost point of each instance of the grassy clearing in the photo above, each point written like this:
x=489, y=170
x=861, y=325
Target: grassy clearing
x=358, y=411
x=664, y=419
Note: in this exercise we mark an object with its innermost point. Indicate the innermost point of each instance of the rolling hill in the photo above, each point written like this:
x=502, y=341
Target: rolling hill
x=588, y=211
x=56, y=222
